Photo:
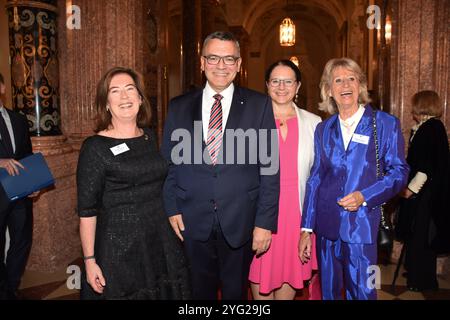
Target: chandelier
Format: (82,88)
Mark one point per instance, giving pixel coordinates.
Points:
(287,33)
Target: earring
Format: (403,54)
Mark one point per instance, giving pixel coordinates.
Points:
(107,108)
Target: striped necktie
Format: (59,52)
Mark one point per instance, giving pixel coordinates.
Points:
(215,129)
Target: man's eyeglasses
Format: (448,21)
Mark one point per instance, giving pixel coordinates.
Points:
(228,60)
(277,82)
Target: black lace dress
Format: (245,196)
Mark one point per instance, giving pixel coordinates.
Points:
(135,247)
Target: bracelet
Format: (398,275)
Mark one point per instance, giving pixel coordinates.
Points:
(88,257)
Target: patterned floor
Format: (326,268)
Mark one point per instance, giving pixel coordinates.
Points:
(62,285)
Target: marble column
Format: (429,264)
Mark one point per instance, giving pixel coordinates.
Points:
(419,60)
(421,64)
(111,33)
(35,85)
(192,44)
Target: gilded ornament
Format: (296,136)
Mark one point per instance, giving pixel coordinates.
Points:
(27,18)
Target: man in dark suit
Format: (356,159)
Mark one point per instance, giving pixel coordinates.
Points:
(15,144)
(221,196)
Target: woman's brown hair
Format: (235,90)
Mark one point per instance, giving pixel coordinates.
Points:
(427,103)
(103,116)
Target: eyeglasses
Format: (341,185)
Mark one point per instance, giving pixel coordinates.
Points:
(228,60)
(277,82)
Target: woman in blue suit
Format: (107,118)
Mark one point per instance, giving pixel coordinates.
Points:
(343,193)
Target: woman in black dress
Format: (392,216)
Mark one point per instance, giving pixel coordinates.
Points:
(423,218)
(129,250)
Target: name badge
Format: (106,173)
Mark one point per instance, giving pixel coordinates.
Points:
(121,148)
(359,138)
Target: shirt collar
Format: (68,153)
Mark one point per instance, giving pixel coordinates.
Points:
(226,94)
(422,121)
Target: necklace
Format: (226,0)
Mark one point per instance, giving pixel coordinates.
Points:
(283,117)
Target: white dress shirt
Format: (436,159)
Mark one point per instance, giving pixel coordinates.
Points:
(208,101)
(5,116)
(348,126)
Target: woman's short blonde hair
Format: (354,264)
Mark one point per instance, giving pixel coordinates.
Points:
(328,104)
(427,103)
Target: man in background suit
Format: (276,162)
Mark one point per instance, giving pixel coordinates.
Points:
(220,207)
(15,144)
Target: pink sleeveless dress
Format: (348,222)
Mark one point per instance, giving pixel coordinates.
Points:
(281,264)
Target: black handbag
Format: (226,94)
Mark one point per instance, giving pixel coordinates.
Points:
(385,230)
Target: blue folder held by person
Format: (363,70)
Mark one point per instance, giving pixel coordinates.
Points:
(34,177)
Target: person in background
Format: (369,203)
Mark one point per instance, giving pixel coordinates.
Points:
(279,273)
(423,217)
(344,192)
(130,251)
(16,216)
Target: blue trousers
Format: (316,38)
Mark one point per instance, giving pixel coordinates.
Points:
(347,267)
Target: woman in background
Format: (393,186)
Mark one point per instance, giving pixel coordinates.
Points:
(278,273)
(423,220)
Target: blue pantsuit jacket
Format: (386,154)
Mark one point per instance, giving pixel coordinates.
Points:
(337,172)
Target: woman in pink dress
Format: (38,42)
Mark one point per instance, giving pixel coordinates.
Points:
(279,273)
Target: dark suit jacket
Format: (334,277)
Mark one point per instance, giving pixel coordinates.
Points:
(243,196)
(23,146)
(337,172)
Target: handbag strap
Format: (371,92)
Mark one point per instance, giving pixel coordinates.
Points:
(375,139)
(383,221)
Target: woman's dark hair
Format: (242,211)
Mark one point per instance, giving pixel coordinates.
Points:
(287,63)
(103,117)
